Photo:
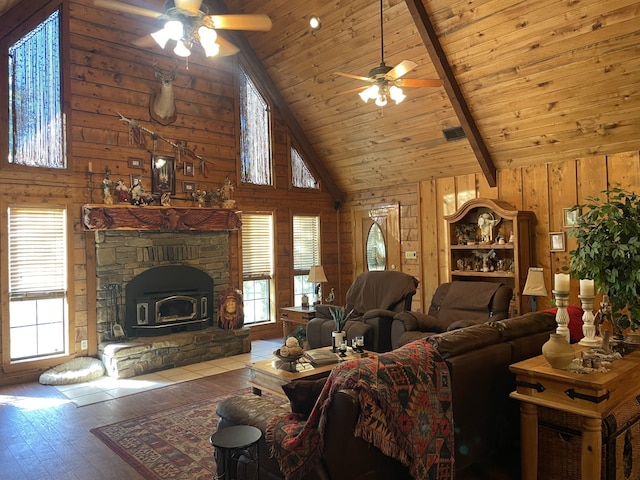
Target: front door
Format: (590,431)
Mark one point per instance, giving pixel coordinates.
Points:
(377,239)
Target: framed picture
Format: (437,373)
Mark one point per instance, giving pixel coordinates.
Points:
(135,162)
(556,242)
(188,187)
(135,178)
(163,174)
(189,170)
(570,217)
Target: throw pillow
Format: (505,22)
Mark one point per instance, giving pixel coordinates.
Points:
(575,321)
(302,394)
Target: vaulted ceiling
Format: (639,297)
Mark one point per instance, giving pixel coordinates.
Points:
(530,82)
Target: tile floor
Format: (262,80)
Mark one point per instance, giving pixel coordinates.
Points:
(107,388)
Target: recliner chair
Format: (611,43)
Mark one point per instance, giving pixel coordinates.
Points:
(454,305)
(375,298)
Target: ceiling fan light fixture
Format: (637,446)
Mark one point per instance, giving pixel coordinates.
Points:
(174,29)
(161,37)
(396,94)
(370,93)
(181,49)
(208,38)
(381,100)
(315,23)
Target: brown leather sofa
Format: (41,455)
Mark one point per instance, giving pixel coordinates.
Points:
(454,305)
(375,297)
(486,420)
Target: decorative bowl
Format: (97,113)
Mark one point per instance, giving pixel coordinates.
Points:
(287,362)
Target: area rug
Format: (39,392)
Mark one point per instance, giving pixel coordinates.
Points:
(172,444)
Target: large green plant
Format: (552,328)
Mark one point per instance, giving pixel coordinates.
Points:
(608,250)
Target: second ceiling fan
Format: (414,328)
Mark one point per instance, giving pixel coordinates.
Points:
(385,82)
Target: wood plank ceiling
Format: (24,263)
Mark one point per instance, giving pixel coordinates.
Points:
(543,81)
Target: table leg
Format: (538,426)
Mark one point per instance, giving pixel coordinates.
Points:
(591,448)
(529,440)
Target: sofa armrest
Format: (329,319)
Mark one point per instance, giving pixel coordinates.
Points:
(378,312)
(323,310)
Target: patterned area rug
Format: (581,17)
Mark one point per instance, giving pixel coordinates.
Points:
(172,444)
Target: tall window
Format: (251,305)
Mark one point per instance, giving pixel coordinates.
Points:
(38,315)
(255,137)
(36,120)
(257,266)
(306,253)
(301,177)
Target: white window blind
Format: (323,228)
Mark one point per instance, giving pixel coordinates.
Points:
(306,243)
(301,177)
(257,246)
(37,251)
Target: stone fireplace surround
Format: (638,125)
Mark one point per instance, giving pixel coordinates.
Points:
(123,254)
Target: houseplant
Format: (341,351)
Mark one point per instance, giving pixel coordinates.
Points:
(340,317)
(608,251)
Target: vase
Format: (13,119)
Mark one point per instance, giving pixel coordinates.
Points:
(557,351)
(337,338)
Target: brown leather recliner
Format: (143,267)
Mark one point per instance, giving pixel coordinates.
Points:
(375,298)
(454,305)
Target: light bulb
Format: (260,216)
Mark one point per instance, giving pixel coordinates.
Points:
(369,94)
(381,101)
(161,37)
(174,29)
(181,49)
(315,23)
(396,94)
(208,41)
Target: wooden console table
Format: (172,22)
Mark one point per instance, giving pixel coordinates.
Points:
(592,396)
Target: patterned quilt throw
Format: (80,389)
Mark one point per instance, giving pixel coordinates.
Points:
(406,412)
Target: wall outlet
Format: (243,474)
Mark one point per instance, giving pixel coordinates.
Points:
(84,345)
(410,255)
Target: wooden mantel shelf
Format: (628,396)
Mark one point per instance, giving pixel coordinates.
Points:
(127,217)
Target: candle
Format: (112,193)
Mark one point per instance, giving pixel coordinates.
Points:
(587,288)
(562,282)
(90,168)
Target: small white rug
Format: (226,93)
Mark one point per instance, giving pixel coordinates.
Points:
(77,370)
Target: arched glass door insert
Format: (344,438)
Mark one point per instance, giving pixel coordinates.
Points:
(376,249)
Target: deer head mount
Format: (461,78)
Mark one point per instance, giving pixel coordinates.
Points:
(162,106)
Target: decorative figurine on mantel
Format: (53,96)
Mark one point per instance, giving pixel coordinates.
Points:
(122,192)
(138,195)
(200,196)
(106,187)
(225,194)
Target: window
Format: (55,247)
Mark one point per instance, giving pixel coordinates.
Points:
(301,177)
(306,253)
(38,309)
(257,266)
(255,138)
(36,121)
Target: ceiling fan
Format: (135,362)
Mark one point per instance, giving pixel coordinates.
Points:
(384,81)
(188,22)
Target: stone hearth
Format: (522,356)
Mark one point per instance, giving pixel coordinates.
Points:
(145,355)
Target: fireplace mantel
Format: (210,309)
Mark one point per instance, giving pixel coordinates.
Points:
(155,218)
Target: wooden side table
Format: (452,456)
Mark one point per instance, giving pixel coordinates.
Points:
(592,396)
(295,316)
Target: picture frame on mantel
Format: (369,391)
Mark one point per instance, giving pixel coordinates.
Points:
(556,242)
(163,174)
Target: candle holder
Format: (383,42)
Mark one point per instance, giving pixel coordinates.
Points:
(90,185)
(562,315)
(590,338)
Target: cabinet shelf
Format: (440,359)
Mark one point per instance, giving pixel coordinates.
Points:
(490,222)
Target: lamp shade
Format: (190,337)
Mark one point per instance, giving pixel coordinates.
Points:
(316,274)
(534,286)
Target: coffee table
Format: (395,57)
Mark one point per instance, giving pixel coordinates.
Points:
(272,374)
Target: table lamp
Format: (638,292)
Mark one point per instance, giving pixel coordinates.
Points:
(534,286)
(317,275)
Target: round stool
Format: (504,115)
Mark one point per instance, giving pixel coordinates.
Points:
(236,444)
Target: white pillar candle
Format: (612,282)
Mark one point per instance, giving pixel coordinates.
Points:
(587,287)
(90,167)
(562,282)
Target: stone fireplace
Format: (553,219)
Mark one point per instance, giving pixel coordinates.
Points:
(161,286)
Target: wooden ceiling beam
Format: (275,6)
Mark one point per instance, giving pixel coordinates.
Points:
(441,64)
(253,64)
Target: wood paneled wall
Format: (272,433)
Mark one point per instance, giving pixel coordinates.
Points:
(544,189)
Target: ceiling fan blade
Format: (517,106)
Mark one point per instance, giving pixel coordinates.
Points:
(357,77)
(416,82)
(126,8)
(226,47)
(353,90)
(255,22)
(145,42)
(400,69)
